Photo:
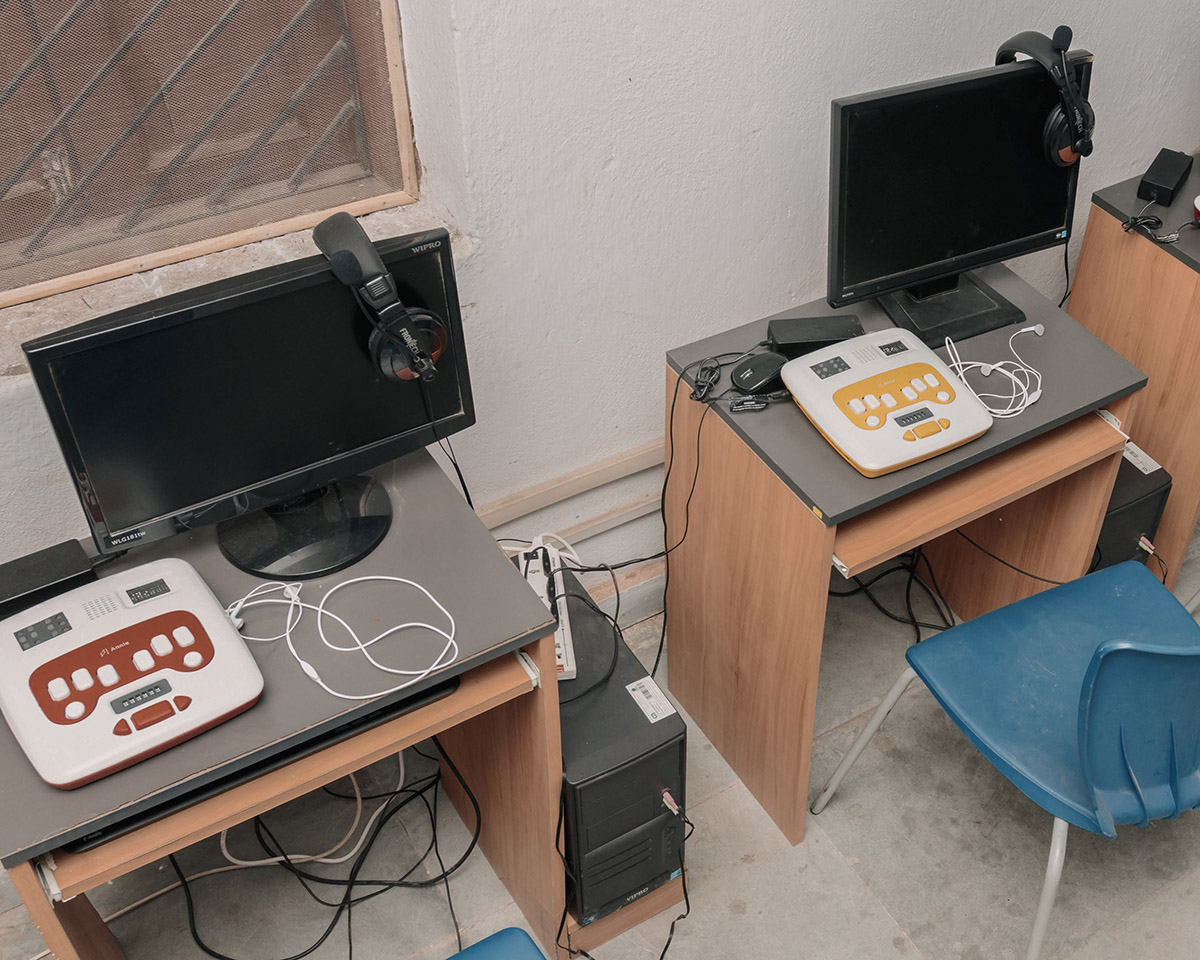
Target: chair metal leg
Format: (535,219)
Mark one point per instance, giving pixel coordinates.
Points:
(1058,851)
(864,738)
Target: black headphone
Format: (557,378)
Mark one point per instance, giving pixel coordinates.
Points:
(1067,134)
(405,342)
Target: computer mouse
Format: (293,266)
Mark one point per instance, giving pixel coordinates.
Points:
(759,373)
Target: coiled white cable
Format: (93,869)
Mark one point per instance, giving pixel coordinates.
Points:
(261,595)
(1024,379)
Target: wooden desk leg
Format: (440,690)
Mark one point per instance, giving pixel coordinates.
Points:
(72,928)
(1051,533)
(511,757)
(745,609)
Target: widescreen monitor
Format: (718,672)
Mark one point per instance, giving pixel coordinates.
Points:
(251,393)
(936,178)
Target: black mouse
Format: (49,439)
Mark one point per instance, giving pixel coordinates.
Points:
(759,373)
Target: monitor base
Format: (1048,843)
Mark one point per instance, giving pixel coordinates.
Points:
(311,536)
(958,308)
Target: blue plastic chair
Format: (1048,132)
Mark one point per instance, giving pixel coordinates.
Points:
(512,943)
(1086,697)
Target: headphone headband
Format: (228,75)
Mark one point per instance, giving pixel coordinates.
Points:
(1068,130)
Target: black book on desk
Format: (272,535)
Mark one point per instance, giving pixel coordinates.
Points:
(621,751)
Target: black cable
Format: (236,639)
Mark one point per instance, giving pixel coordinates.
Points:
(445,876)
(1162,563)
(1067,271)
(1149,225)
(687,903)
(1024,573)
(444,443)
(618,638)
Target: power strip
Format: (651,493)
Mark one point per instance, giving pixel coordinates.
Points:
(537,564)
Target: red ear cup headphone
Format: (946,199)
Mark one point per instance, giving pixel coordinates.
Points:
(405,342)
(1067,134)
(386,354)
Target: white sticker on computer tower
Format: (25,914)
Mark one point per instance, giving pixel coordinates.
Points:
(1140,458)
(650,699)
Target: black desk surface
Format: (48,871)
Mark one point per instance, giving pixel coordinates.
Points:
(1122,201)
(1080,374)
(435,539)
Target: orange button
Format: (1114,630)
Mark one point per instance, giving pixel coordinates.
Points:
(927,429)
(122,729)
(909,435)
(156,712)
(182,703)
(944,423)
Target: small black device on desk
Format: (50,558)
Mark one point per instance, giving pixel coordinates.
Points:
(39,576)
(1165,176)
(796,336)
(758,373)
(623,746)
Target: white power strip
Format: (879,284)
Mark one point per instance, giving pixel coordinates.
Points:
(539,564)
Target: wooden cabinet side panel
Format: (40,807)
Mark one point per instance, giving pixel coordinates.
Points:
(1145,304)
(746,600)
(511,757)
(72,929)
(1051,533)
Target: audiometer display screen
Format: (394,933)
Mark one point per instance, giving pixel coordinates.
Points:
(241,403)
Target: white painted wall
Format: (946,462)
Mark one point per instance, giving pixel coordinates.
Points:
(631,176)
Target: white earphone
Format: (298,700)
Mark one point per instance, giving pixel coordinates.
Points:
(295,610)
(1025,380)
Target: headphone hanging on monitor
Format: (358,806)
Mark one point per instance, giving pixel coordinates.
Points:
(1067,134)
(405,342)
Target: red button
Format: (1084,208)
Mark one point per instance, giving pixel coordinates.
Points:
(122,729)
(182,703)
(152,714)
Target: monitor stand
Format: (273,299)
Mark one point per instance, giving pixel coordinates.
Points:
(957,307)
(309,536)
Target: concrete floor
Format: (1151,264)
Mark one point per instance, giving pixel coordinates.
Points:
(926,852)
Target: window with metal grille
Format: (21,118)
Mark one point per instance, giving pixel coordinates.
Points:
(140,132)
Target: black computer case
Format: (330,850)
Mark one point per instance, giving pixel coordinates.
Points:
(619,838)
(1138,499)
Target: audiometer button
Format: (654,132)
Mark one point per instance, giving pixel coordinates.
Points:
(943,396)
(182,703)
(944,423)
(81,679)
(58,689)
(143,660)
(872,401)
(122,729)
(888,400)
(193,658)
(872,421)
(858,406)
(160,644)
(927,429)
(155,713)
(183,636)
(931,380)
(919,384)
(75,710)
(909,393)
(108,675)
(909,435)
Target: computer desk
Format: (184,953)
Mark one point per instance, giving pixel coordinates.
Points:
(500,727)
(775,507)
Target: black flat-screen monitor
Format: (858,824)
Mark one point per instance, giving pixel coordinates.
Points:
(933,179)
(255,392)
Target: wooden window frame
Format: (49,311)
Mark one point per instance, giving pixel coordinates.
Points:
(390,19)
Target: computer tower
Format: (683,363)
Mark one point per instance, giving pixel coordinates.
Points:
(1134,510)
(623,746)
